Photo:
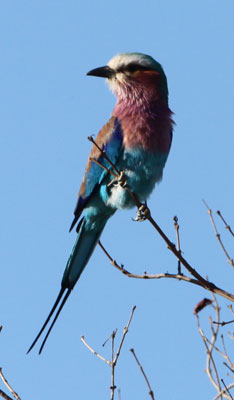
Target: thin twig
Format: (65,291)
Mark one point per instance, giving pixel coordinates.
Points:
(222,353)
(226,354)
(145,275)
(114,359)
(103,166)
(109,337)
(223,322)
(230,307)
(230,335)
(147,215)
(182,277)
(9,386)
(112,387)
(5,396)
(125,331)
(223,393)
(210,358)
(177,227)
(225,223)
(103,153)
(94,352)
(226,365)
(209,349)
(227,390)
(151,393)
(205,284)
(230,260)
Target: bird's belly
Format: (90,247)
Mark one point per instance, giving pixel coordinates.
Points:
(142,170)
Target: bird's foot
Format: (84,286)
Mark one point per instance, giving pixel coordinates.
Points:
(119,180)
(143,213)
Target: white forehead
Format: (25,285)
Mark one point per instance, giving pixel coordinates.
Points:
(126,58)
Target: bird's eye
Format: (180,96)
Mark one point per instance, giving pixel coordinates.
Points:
(133,67)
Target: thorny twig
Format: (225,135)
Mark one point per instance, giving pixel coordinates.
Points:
(114,359)
(151,393)
(230,260)
(147,215)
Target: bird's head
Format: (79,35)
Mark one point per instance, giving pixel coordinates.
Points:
(133,72)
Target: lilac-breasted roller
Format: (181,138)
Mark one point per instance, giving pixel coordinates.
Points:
(137,139)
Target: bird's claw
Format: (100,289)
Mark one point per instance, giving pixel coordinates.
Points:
(143,213)
(119,180)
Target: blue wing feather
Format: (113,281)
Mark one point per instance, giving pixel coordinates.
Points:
(110,139)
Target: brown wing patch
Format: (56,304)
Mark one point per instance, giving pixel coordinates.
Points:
(101,139)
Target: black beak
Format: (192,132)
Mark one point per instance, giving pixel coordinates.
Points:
(102,72)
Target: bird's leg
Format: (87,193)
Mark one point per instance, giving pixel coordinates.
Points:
(119,180)
(143,213)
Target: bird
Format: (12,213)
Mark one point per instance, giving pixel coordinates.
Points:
(137,140)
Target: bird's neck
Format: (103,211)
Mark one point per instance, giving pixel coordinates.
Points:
(145,118)
(144,100)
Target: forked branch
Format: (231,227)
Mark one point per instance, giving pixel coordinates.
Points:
(145,212)
(212,349)
(114,358)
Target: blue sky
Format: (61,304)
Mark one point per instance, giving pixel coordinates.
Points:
(48,108)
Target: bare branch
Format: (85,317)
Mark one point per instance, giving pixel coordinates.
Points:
(223,322)
(227,390)
(94,352)
(103,153)
(114,359)
(113,387)
(181,277)
(230,260)
(177,227)
(225,223)
(125,331)
(4,395)
(209,349)
(103,166)
(115,331)
(15,395)
(230,307)
(226,354)
(226,365)
(144,210)
(148,276)
(151,393)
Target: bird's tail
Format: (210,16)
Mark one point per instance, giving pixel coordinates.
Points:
(85,243)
